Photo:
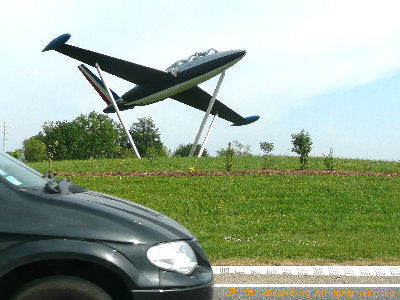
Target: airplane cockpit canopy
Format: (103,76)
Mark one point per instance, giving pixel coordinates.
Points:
(196,56)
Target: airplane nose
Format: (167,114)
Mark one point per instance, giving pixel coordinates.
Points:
(229,58)
(240,53)
(235,54)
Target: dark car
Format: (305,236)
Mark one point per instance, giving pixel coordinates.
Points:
(61,241)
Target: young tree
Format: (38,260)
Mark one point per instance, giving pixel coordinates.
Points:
(328,160)
(184,150)
(302,146)
(238,149)
(267,148)
(34,150)
(147,138)
(229,153)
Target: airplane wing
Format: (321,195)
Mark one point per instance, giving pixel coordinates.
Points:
(132,72)
(198,98)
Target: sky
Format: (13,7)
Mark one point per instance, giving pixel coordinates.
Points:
(329,67)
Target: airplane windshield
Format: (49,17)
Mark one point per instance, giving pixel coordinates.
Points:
(197,55)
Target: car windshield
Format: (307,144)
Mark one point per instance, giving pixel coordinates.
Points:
(19,174)
(191,58)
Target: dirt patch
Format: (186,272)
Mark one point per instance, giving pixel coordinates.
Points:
(225,173)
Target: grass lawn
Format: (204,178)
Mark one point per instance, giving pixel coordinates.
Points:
(211,164)
(264,219)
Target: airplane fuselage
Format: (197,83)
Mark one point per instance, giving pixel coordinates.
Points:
(188,75)
(180,81)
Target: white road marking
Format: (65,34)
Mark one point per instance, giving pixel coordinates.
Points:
(310,285)
(387,271)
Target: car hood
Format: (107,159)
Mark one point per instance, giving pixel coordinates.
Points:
(129,221)
(91,215)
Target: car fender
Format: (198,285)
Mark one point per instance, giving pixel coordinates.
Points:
(55,249)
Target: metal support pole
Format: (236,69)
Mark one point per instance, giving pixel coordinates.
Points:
(117,111)
(196,141)
(4,134)
(208,135)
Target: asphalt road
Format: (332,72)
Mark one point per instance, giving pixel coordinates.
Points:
(254,287)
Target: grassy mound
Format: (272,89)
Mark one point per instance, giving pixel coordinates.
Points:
(266,218)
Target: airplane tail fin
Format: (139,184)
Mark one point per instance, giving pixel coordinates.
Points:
(97,84)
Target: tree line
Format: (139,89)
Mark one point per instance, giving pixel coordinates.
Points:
(96,136)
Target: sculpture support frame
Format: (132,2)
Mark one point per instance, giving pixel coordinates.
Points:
(203,146)
(117,111)
(203,123)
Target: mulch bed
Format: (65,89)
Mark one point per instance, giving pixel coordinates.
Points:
(225,173)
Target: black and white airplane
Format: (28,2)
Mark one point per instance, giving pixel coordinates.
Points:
(178,82)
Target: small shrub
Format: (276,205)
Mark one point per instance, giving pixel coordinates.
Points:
(267,148)
(302,146)
(16,153)
(229,158)
(367,166)
(184,150)
(151,154)
(328,160)
(126,153)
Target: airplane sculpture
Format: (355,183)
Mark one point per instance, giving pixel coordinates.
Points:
(178,82)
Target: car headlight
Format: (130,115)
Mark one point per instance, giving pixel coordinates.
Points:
(173,256)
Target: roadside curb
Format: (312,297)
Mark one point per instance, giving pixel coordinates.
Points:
(385,271)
